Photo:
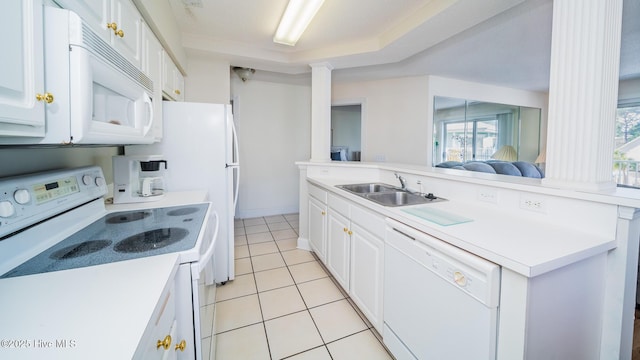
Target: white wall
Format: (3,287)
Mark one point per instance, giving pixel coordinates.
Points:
(207,81)
(394,118)
(274,125)
(17,161)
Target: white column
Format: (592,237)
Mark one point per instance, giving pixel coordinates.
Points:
(583,92)
(321,112)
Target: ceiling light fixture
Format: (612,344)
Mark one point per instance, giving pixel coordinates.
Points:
(295,20)
(243,72)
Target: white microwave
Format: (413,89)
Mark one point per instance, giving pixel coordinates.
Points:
(100,98)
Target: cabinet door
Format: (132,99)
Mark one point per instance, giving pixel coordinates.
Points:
(127,42)
(22,73)
(317,228)
(167,75)
(172,79)
(338,248)
(367,274)
(178,84)
(96,13)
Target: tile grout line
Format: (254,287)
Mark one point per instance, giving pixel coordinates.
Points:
(360,314)
(255,283)
(324,343)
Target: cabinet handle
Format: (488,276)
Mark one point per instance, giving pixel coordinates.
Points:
(177,91)
(164,343)
(345,229)
(113,26)
(119,33)
(323,213)
(350,232)
(181,346)
(48,97)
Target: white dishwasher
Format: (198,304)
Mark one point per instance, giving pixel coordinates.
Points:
(440,302)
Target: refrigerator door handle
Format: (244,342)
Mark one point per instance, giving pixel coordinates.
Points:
(236,163)
(235,157)
(236,188)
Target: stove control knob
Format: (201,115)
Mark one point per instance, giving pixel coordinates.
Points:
(6,209)
(86,179)
(22,196)
(100,182)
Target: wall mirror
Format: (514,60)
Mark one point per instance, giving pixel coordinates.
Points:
(467,130)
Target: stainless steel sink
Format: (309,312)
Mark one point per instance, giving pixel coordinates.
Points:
(388,195)
(367,188)
(397,198)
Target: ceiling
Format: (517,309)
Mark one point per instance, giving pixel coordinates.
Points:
(501,42)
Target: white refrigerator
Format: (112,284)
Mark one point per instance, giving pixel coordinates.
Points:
(200,146)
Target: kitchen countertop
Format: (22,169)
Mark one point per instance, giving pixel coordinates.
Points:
(97,312)
(169,199)
(525,246)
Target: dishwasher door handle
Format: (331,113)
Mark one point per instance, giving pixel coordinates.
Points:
(404,234)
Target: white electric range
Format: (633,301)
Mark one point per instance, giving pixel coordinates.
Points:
(55,225)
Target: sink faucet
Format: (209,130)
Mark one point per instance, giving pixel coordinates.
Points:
(403,181)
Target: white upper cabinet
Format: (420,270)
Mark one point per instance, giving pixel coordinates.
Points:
(172,79)
(127,37)
(117,22)
(23,96)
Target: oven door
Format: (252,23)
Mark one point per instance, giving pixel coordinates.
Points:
(204,295)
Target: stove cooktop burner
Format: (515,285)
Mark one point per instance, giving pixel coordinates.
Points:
(182,211)
(128,217)
(135,234)
(150,240)
(82,249)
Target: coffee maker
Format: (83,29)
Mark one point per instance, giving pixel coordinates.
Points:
(138,178)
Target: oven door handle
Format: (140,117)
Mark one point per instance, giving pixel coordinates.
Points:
(204,259)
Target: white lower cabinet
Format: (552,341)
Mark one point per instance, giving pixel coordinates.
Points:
(339,247)
(355,253)
(317,228)
(367,274)
(164,337)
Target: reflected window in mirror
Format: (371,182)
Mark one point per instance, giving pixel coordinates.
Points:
(475,131)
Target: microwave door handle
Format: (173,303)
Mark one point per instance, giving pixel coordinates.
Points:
(204,259)
(149,104)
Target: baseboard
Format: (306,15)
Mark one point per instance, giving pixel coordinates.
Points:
(253,213)
(303,244)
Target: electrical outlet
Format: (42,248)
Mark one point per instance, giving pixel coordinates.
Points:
(488,195)
(532,203)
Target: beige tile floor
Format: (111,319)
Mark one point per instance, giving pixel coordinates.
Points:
(284,305)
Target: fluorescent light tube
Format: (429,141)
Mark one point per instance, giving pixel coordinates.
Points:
(295,20)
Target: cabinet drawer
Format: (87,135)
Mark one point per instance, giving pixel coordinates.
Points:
(160,325)
(368,220)
(318,193)
(339,204)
